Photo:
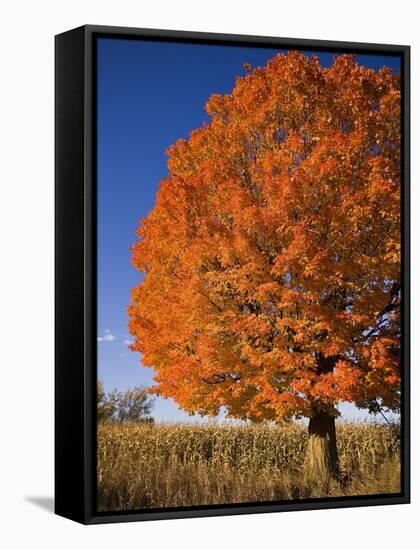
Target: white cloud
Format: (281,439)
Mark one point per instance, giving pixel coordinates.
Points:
(107,337)
(128,342)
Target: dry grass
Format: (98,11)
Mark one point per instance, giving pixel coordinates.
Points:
(146,466)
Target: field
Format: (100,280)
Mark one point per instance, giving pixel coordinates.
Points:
(166,465)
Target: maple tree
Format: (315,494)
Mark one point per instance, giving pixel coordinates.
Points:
(272,256)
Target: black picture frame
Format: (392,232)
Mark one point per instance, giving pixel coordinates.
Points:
(75,274)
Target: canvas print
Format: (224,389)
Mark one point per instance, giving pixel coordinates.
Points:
(249,274)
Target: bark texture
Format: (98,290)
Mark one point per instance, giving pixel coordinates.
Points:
(322,463)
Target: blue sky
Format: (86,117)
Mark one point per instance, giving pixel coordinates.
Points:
(149,95)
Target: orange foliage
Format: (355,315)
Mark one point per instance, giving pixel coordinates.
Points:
(272,256)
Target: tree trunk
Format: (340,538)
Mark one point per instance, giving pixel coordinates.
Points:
(321,464)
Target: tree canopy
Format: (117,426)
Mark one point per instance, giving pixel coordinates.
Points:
(272,255)
(131,405)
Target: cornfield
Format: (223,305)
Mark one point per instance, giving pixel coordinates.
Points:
(167,465)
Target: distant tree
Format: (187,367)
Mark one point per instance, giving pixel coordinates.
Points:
(131,405)
(271,260)
(105,408)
